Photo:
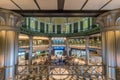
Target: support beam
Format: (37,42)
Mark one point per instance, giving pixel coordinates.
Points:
(84,4)
(61,4)
(16,4)
(105,4)
(37,4)
(60,13)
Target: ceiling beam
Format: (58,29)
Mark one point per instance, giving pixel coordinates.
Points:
(84,4)
(37,4)
(57,13)
(16,4)
(60,4)
(105,4)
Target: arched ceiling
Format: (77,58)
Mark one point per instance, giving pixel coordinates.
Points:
(60,7)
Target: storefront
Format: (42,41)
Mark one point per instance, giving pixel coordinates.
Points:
(58,50)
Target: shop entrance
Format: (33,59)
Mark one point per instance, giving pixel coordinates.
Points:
(58,51)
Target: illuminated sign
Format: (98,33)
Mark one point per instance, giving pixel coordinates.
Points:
(58,47)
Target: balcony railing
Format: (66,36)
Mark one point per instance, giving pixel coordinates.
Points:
(83,47)
(96,29)
(45,72)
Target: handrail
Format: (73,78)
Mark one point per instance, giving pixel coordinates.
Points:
(38,71)
(81,33)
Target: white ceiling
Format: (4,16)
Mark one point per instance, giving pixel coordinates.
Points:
(73,4)
(52,4)
(48,4)
(7,4)
(26,4)
(115,4)
(97,4)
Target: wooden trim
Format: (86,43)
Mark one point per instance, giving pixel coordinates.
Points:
(60,4)
(16,4)
(37,4)
(60,13)
(84,4)
(105,4)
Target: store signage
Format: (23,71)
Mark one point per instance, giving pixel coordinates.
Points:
(58,47)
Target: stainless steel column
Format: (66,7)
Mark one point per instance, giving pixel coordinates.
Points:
(31,49)
(79,26)
(67,46)
(110,27)
(50,47)
(87,49)
(9,41)
(10,54)
(108,53)
(2,47)
(117,33)
(72,28)
(55,28)
(45,27)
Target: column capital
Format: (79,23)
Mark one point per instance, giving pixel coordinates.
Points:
(10,20)
(109,20)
